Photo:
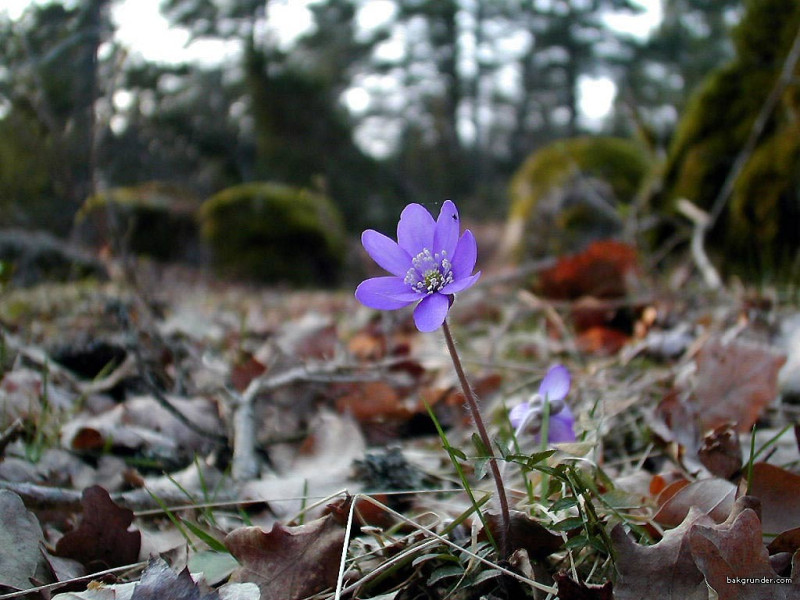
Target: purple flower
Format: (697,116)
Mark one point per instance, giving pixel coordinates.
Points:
(528,415)
(429,263)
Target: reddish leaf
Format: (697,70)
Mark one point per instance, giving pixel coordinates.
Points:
(102,540)
(365,512)
(735,381)
(601,340)
(779,493)
(660,482)
(720,452)
(288,563)
(373,401)
(159,582)
(245,371)
(713,497)
(734,549)
(665,570)
(603,270)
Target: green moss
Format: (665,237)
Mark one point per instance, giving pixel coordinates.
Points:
(274,233)
(619,162)
(613,167)
(155,219)
(761,216)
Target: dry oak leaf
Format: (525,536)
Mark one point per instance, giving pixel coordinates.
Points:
(102,540)
(288,563)
(714,497)
(20,538)
(720,451)
(665,570)
(779,493)
(734,382)
(159,582)
(734,550)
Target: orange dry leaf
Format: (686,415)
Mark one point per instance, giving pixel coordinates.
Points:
(602,340)
(735,381)
(373,401)
(602,270)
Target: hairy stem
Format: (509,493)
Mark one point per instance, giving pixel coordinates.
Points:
(472,402)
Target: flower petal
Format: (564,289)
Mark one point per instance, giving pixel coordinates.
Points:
(555,384)
(431,312)
(415,229)
(386,252)
(465,255)
(561,427)
(460,285)
(385,293)
(517,414)
(445,235)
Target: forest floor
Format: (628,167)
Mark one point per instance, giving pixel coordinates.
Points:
(191,438)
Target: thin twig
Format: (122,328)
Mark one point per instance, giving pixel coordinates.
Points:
(487,442)
(58,584)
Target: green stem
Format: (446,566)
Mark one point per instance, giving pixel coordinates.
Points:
(472,403)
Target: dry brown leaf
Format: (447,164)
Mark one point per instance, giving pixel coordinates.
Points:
(733,550)
(288,563)
(20,537)
(734,382)
(713,497)
(779,492)
(527,534)
(665,570)
(720,452)
(788,541)
(159,582)
(571,590)
(102,540)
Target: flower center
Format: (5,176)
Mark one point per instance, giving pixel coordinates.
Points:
(429,272)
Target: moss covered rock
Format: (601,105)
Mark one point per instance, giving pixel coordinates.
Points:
(571,191)
(154,219)
(758,231)
(275,233)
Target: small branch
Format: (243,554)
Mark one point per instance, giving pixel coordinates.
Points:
(43,497)
(701,221)
(487,442)
(164,401)
(10,434)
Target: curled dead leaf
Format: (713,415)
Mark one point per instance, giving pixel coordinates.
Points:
(288,563)
(713,497)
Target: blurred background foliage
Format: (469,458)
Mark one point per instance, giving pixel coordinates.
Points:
(439,99)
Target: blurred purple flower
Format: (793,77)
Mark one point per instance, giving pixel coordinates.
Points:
(429,263)
(554,389)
